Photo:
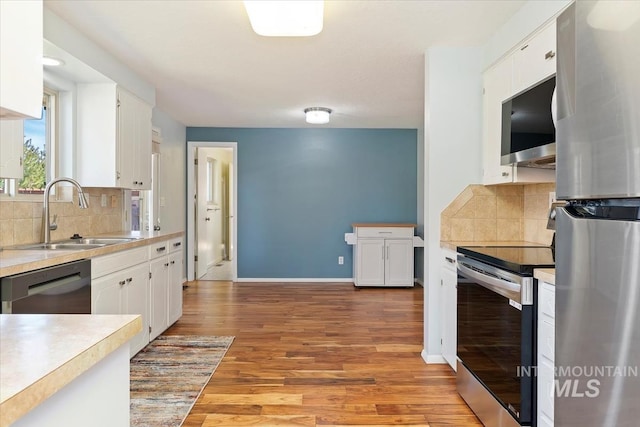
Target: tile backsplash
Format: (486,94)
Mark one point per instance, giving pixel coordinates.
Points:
(498,213)
(21,221)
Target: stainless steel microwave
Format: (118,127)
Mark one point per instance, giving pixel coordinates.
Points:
(528,130)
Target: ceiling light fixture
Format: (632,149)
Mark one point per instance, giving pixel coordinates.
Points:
(287,18)
(317,115)
(51,61)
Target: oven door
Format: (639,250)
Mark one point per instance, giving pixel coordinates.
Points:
(496,335)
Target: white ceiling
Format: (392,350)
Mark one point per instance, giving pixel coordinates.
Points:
(210,69)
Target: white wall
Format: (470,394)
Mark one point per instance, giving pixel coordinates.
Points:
(419,252)
(173,184)
(453,150)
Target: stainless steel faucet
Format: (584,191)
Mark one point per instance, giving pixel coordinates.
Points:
(82,202)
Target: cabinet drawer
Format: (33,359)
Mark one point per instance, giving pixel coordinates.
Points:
(449,260)
(103,265)
(175,244)
(547,298)
(384,232)
(158,249)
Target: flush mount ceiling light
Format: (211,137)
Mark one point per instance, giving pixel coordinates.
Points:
(317,115)
(51,61)
(289,18)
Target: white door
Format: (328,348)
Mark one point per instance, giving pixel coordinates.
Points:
(204,217)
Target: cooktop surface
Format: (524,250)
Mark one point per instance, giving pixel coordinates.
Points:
(517,259)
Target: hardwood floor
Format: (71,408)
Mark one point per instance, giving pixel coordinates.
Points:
(318,355)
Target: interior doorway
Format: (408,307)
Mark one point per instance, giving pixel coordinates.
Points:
(211,211)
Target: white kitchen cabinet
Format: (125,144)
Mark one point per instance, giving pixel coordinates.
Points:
(114,138)
(11,148)
(383,256)
(535,59)
(21,50)
(174,295)
(449,301)
(546,353)
(520,70)
(119,285)
(158,288)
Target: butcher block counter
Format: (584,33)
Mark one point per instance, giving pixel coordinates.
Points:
(54,366)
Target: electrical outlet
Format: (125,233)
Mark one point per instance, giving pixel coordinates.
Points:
(340,260)
(552,197)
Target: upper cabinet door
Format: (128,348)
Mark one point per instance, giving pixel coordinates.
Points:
(535,60)
(11,148)
(20,59)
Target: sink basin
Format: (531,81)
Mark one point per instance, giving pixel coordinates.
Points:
(99,240)
(79,244)
(62,246)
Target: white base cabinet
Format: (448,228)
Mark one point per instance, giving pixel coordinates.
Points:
(546,353)
(383,256)
(120,285)
(448,306)
(146,281)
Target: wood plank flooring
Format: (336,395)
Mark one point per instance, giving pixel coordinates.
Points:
(318,355)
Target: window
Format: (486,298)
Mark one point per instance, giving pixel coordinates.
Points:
(39,152)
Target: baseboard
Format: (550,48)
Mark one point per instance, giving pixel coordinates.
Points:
(296,280)
(435,359)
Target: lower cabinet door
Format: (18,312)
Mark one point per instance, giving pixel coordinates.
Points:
(135,299)
(398,270)
(175,286)
(370,262)
(159,269)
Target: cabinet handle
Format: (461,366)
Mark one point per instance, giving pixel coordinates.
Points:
(135,182)
(450,260)
(175,245)
(161,249)
(505,173)
(121,283)
(385,232)
(166,264)
(524,47)
(140,182)
(130,279)
(173,262)
(386,249)
(549,54)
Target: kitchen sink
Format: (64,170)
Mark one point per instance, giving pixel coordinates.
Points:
(99,240)
(78,244)
(62,246)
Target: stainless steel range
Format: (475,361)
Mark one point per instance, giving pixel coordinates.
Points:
(496,331)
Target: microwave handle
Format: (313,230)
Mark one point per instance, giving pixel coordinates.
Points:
(502,287)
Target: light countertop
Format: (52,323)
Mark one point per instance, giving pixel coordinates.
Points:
(41,353)
(14,261)
(545,274)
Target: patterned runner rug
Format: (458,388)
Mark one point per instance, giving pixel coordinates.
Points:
(169,374)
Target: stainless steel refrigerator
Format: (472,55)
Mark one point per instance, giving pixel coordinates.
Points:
(598,234)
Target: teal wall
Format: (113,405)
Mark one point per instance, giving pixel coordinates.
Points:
(299,191)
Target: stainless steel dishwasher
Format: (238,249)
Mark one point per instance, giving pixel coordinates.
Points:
(60,289)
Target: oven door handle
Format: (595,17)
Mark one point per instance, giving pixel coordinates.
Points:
(502,287)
